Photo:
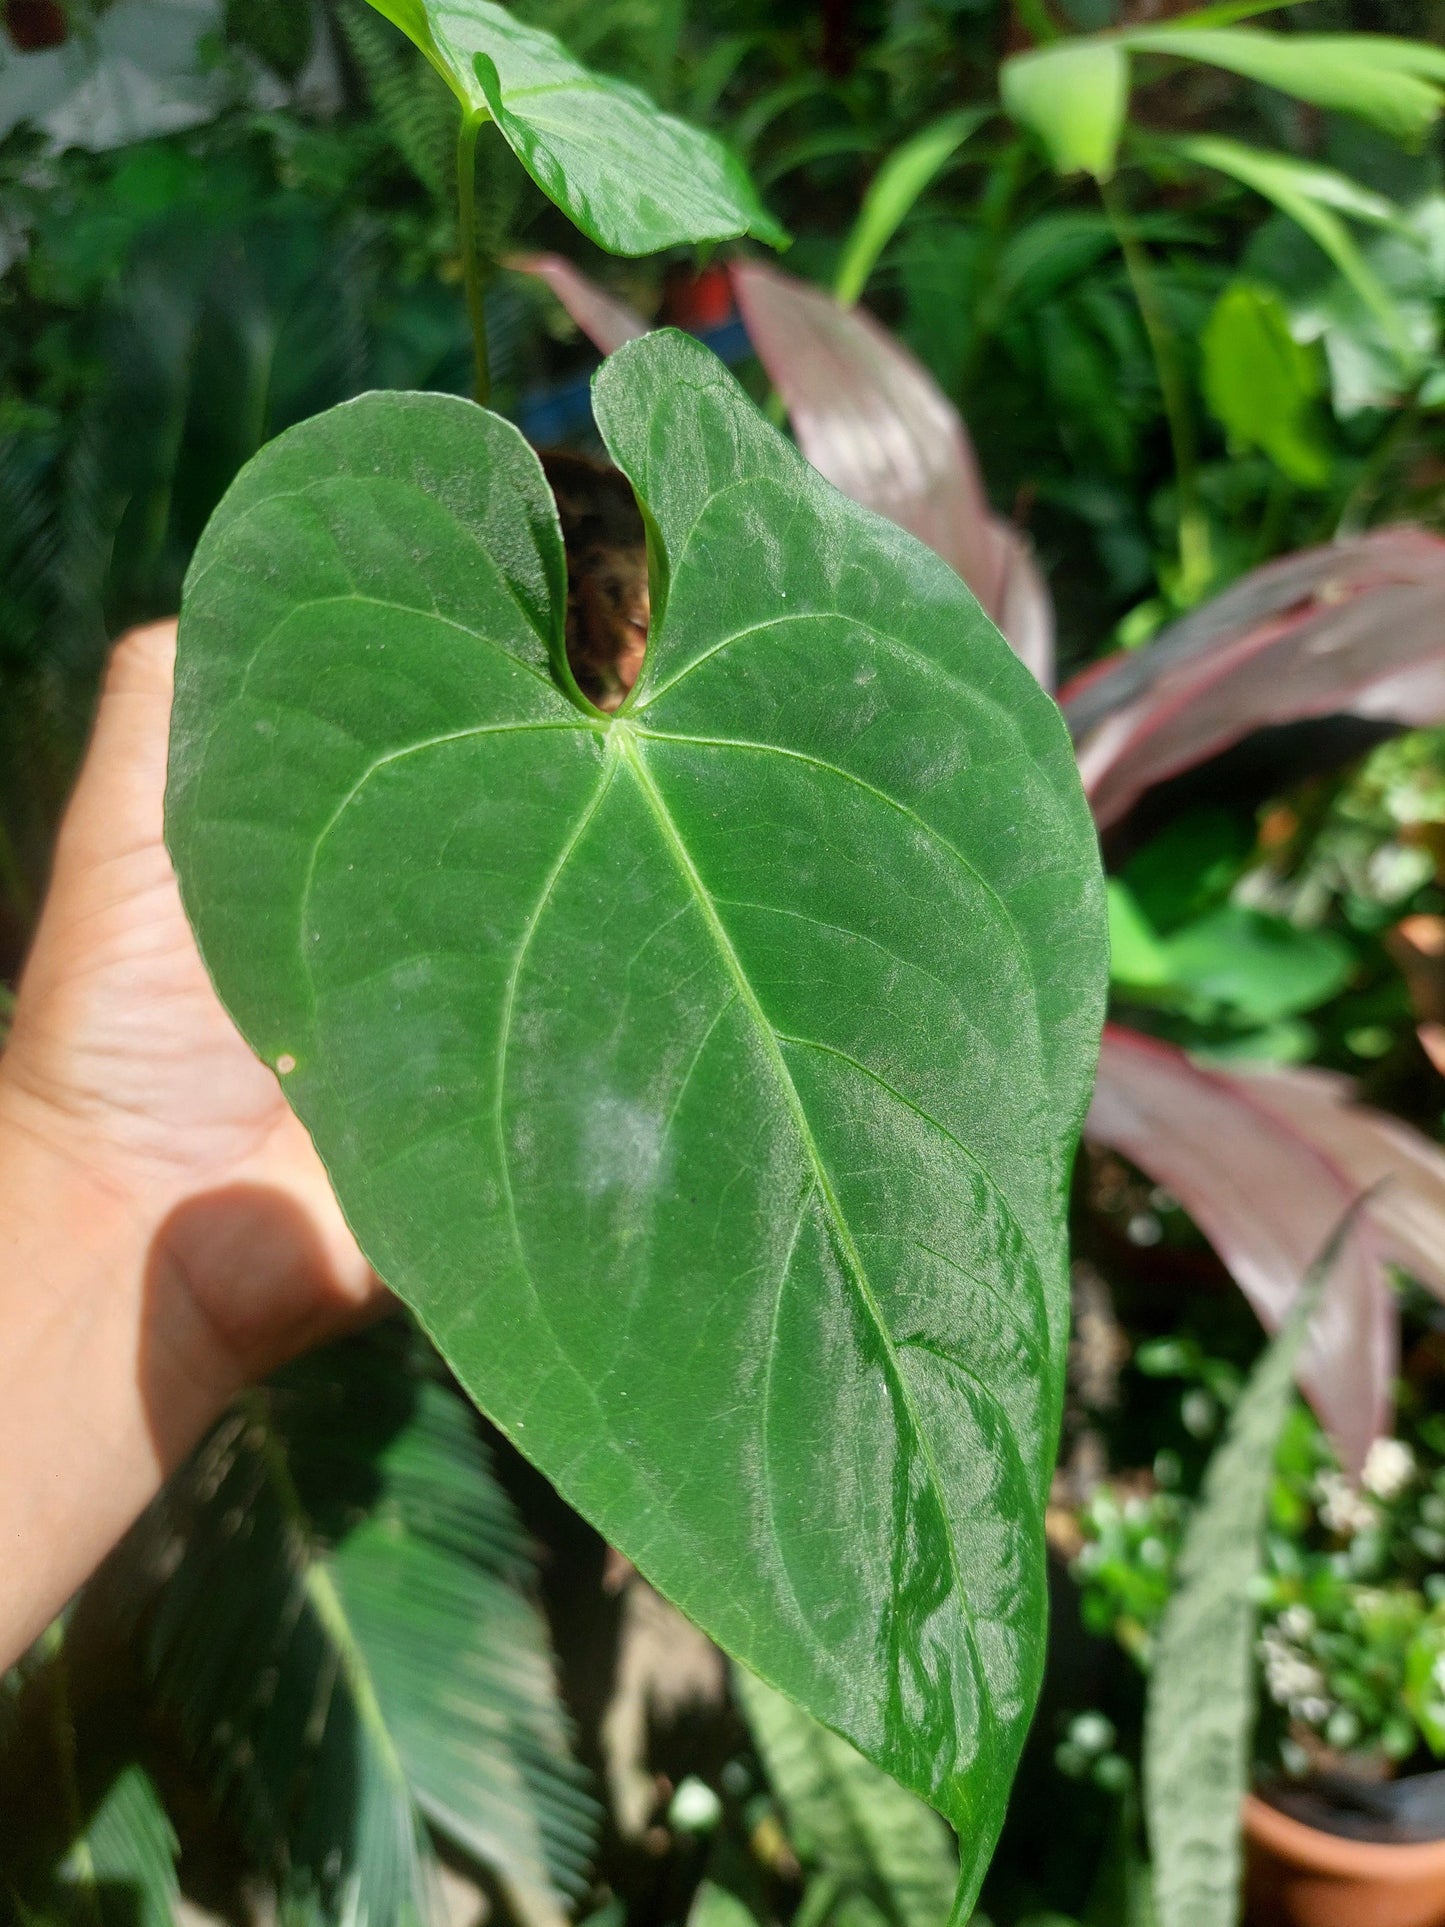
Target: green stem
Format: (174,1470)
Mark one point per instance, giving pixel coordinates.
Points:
(1376,467)
(1271,523)
(1195,566)
(472,268)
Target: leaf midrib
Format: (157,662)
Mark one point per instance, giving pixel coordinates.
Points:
(853,1262)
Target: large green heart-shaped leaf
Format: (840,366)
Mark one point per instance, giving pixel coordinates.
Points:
(635,180)
(706,1077)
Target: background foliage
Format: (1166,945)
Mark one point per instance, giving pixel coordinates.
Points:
(1168,384)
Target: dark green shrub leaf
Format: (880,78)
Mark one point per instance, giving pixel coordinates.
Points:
(634,179)
(707,1077)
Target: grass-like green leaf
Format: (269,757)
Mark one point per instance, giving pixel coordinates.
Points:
(873,1841)
(1314,198)
(1393,84)
(635,180)
(1200,1712)
(347,1643)
(707,1076)
(892,193)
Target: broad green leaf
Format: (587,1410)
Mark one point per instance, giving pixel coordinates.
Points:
(892,193)
(125,1861)
(874,1841)
(707,1077)
(1200,1710)
(1394,84)
(1262,385)
(1314,198)
(1073,96)
(635,180)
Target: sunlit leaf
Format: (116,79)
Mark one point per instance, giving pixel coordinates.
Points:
(705,1076)
(1200,1710)
(1072,96)
(1261,383)
(635,180)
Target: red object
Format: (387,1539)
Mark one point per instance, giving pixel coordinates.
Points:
(698,302)
(34,25)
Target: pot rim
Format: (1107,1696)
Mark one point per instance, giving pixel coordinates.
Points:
(1333,1853)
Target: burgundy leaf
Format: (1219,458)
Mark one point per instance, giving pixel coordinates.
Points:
(873,420)
(605,321)
(1356,628)
(1268,1198)
(1407,1208)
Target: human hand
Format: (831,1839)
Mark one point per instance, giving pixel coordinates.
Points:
(163,1214)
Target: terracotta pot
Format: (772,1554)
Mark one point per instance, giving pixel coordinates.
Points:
(1301,1877)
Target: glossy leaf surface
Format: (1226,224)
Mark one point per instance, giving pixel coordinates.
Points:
(707,1077)
(635,180)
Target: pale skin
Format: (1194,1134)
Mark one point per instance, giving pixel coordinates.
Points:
(167,1232)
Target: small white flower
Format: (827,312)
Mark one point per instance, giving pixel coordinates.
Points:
(1343,1510)
(1437,1673)
(1297,1623)
(1389,1468)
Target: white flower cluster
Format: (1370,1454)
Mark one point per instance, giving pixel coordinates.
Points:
(1293,1681)
(1342,1509)
(1389,1468)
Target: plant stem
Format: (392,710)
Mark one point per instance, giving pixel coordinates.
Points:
(1381,458)
(1195,566)
(472,270)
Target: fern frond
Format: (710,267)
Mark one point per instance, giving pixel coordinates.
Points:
(412,101)
(888,1860)
(348,1645)
(125,1861)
